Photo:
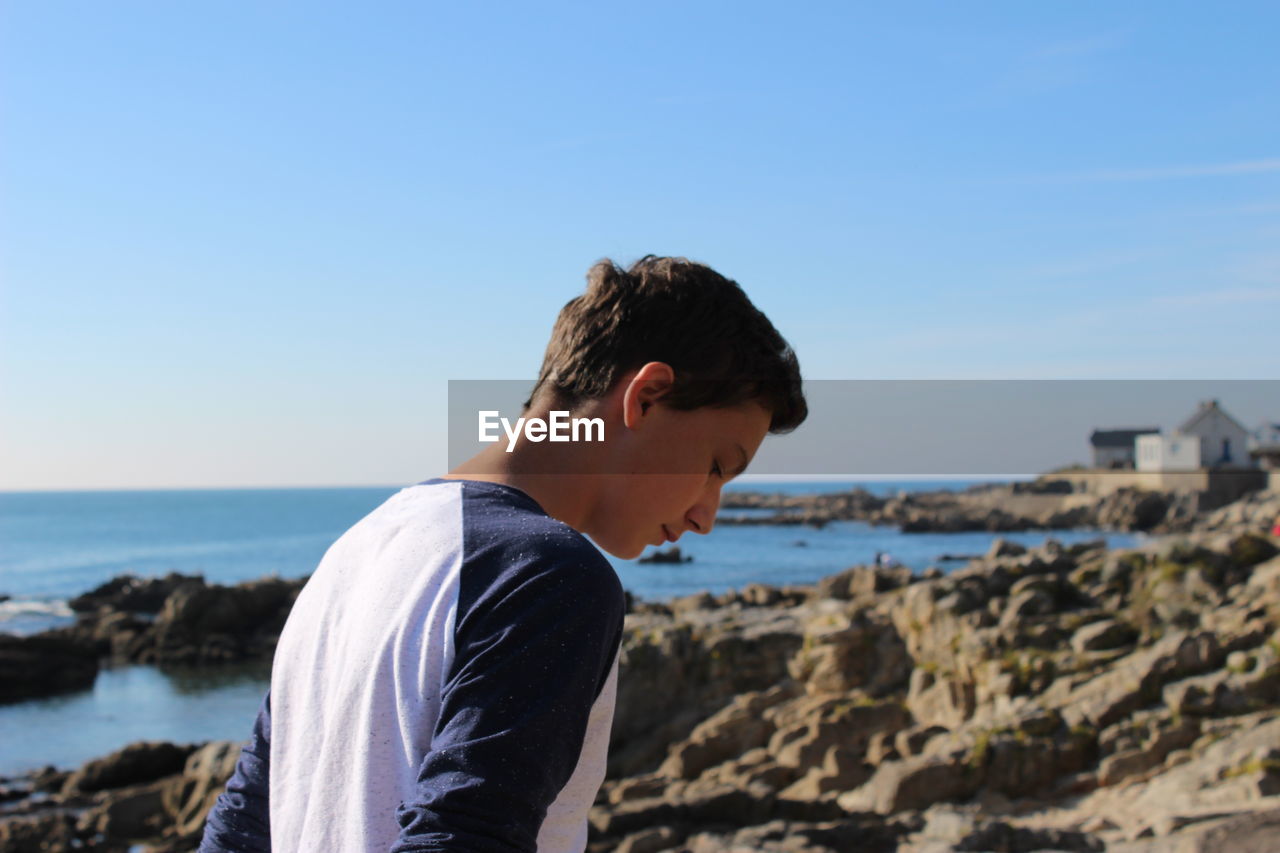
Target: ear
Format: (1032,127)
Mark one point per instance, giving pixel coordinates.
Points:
(643,390)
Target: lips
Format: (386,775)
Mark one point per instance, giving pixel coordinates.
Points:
(667,534)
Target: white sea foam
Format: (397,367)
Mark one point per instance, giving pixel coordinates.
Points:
(24,616)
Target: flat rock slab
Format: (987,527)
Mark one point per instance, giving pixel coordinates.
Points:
(1251,833)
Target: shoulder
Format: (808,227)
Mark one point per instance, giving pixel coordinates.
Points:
(510,546)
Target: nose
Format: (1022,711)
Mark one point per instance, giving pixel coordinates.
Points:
(702,515)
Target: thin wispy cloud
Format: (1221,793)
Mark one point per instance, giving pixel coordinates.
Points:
(1089,45)
(1039,70)
(1259,269)
(1206,170)
(1255,209)
(1088,265)
(1230,296)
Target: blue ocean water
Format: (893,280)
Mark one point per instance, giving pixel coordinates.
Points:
(57,545)
(54,545)
(129,704)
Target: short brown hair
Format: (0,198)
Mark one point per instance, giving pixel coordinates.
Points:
(723,350)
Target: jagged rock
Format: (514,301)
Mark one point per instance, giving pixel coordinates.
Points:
(633,816)
(1008,761)
(669,555)
(187,799)
(726,734)
(1128,509)
(1143,744)
(940,701)
(841,770)
(137,763)
(1221,773)
(133,812)
(997,835)
(1123,765)
(218,623)
(695,668)
(912,741)
(1050,585)
(862,581)
(953,828)
(863,653)
(49,779)
(1004,548)
(1102,635)
(133,594)
(846,725)
(1136,679)
(44,665)
(1202,695)
(718,805)
(760,595)
(881,748)
(945,645)
(1032,602)
(862,833)
(1264,582)
(650,840)
(1249,549)
(755,769)
(38,833)
(910,784)
(1254,681)
(1249,833)
(635,788)
(196,623)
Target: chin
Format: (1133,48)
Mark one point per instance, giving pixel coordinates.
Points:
(623,550)
(629,553)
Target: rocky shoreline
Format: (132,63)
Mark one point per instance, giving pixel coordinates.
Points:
(176,619)
(1044,504)
(1051,698)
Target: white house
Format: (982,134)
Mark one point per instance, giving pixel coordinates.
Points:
(1210,438)
(1114,448)
(1169,452)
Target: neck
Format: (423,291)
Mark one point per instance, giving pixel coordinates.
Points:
(552,474)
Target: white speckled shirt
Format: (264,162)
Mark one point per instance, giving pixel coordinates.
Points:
(445,681)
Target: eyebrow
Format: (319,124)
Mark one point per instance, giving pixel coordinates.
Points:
(743,466)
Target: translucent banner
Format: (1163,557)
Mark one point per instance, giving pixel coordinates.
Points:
(928,428)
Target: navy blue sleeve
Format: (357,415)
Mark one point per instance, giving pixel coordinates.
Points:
(240,821)
(534,645)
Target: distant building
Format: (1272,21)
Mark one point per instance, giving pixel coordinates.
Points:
(1115,448)
(1210,438)
(1265,446)
(1266,435)
(1209,454)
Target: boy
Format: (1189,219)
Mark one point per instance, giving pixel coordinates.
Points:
(446,678)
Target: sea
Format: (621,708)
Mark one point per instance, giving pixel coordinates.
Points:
(56,545)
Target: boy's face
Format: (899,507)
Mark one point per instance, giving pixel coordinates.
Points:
(673,465)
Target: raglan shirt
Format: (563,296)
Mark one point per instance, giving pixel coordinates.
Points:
(445,681)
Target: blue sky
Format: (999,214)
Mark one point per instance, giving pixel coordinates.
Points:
(248,244)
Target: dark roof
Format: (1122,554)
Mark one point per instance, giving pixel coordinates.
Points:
(1205,409)
(1118,437)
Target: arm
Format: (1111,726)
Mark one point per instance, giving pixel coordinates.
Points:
(533,650)
(240,821)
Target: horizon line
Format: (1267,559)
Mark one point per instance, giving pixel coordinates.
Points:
(746,479)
